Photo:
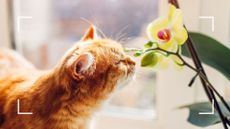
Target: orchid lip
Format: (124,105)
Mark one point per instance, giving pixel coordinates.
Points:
(164,34)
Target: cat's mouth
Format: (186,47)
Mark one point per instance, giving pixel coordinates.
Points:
(131,68)
(131,73)
(128,76)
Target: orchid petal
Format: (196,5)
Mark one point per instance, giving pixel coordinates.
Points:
(154,27)
(180,35)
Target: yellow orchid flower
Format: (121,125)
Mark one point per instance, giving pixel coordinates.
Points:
(169,31)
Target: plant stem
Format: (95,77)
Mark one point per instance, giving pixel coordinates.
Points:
(202,76)
(208,87)
(209,84)
(198,65)
(207,81)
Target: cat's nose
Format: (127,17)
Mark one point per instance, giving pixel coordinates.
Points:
(130,60)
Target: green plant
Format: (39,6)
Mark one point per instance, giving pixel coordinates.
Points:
(167,36)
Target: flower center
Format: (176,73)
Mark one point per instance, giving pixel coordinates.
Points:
(164,34)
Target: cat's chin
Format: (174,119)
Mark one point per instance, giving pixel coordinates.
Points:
(125,80)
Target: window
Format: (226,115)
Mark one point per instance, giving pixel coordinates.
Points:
(48,28)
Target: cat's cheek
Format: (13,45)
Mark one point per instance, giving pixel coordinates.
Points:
(117,73)
(84,90)
(123,70)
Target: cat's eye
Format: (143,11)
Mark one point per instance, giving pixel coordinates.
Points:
(119,61)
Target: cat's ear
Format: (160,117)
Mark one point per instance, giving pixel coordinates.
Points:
(91,33)
(82,66)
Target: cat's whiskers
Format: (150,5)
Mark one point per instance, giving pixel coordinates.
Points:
(121,36)
(97,24)
(119,33)
(124,40)
(98,29)
(102,33)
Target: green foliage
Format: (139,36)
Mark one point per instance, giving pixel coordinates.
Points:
(211,52)
(177,60)
(149,59)
(204,120)
(151,44)
(138,53)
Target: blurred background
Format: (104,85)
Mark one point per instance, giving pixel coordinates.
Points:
(43,30)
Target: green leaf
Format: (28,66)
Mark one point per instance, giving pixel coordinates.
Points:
(211,52)
(150,44)
(149,59)
(204,120)
(138,53)
(176,60)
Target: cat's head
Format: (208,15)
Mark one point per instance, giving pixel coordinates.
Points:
(96,65)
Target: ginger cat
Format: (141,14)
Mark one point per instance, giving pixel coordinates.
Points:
(66,96)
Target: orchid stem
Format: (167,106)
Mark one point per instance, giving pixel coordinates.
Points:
(195,70)
(209,91)
(208,87)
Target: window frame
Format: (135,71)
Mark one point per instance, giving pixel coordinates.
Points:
(5,39)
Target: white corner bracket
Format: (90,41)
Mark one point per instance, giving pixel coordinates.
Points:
(22,113)
(209,113)
(19,19)
(212,18)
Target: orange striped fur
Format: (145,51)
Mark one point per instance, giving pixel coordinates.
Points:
(66,96)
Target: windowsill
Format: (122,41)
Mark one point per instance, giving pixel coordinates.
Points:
(124,118)
(129,113)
